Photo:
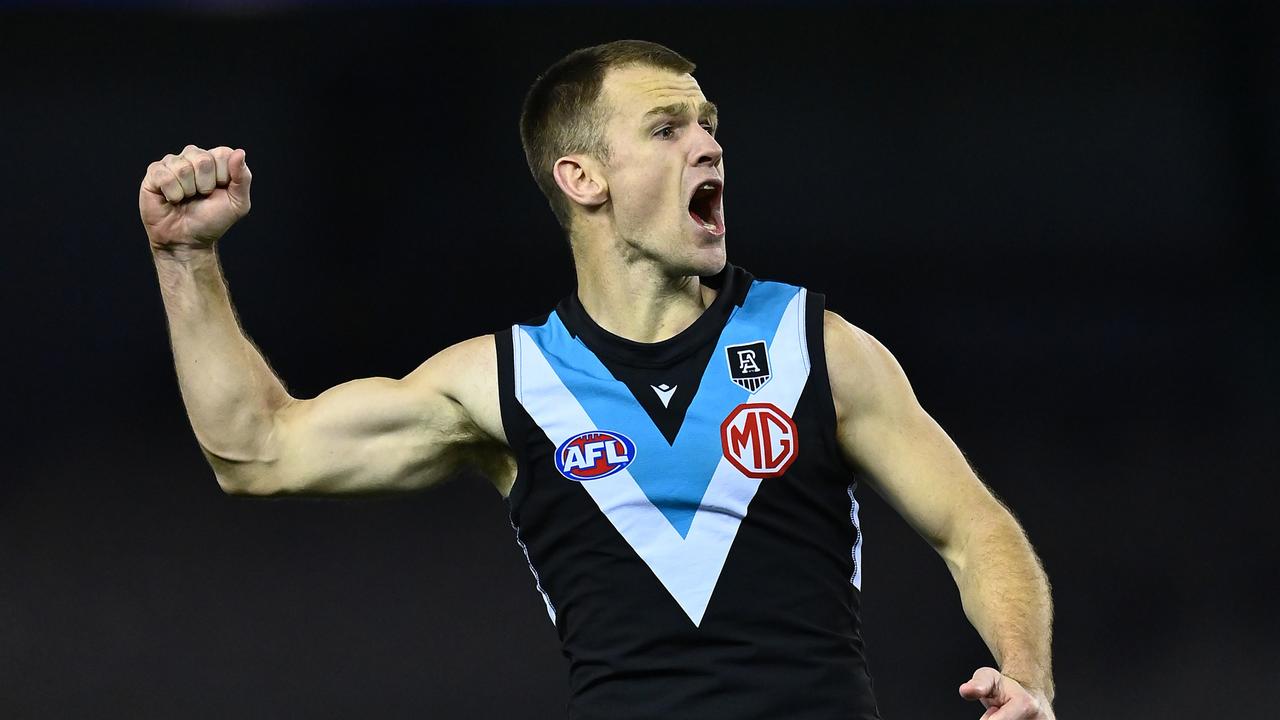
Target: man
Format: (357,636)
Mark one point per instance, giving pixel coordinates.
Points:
(675,442)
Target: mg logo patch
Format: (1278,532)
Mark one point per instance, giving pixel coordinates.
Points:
(759,439)
(748,364)
(594,454)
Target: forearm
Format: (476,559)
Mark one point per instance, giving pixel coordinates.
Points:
(230,392)
(1005,594)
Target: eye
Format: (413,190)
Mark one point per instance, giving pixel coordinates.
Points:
(711,129)
(665,132)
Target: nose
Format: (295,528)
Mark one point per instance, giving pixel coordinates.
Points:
(705,151)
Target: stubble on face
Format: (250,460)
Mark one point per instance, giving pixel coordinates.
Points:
(649,175)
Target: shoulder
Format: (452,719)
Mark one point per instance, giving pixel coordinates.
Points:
(864,375)
(852,349)
(465,375)
(458,366)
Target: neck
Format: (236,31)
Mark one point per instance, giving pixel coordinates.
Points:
(636,299)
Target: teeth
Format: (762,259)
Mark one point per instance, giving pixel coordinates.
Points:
(707,186)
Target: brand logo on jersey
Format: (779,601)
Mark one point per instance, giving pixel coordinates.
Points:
(665,392)
(595,454)
(759,439)
(748,365)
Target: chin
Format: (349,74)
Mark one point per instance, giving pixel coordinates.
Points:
(707,261)
(715,263)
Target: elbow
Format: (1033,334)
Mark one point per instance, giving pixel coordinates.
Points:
(246,468)
(972,537)
(236,484)
(247,479)
(255,487)
(232,485)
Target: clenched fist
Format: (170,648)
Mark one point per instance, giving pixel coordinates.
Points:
(190,200)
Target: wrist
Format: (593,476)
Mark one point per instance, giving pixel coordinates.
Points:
(1033,683)
(183,254)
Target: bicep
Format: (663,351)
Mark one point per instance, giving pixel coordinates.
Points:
(377,434)
(907,456)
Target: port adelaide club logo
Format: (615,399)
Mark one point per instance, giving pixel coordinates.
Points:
(748,365)
(757,437)
(594,454)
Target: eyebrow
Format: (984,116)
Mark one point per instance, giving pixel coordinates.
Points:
(707,109)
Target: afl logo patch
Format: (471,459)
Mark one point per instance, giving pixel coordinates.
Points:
(748,365)
(594,454)
(759,439)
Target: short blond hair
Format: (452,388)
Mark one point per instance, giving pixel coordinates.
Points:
(561,113)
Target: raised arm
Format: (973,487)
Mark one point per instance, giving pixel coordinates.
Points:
(918,470)
(368,435)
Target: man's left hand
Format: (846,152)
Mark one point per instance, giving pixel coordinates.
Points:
(1005,698)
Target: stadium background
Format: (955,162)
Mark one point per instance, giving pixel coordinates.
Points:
(1057,215)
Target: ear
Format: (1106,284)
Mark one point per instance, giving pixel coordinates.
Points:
(581,178)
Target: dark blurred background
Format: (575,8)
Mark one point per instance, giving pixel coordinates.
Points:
(1057,215)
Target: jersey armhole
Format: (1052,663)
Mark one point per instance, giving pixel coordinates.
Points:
(511,413)
(825,404)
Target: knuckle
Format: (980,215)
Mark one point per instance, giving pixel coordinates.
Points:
(205,163)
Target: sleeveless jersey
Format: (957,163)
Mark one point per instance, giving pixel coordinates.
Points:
(685,510)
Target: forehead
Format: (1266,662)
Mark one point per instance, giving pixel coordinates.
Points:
(632,91)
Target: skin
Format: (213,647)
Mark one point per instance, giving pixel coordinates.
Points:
(638,253)
(638,257)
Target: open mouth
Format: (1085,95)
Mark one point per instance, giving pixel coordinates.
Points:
(706,207)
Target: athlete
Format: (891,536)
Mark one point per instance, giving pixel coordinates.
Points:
(676,441)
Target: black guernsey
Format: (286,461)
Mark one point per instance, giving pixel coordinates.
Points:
(687,514)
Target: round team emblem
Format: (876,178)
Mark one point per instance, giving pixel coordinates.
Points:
(759,439)
(594,454)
